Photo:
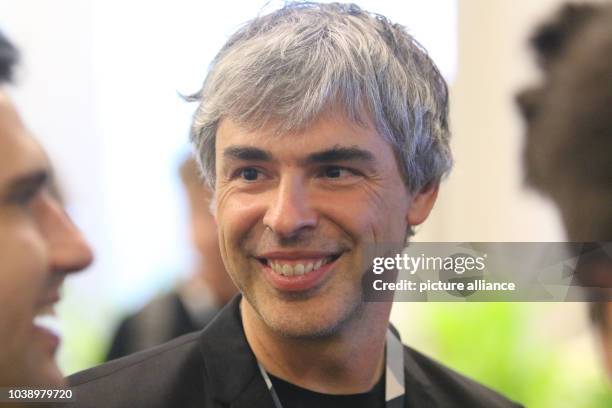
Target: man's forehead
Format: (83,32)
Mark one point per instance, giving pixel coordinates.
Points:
(326,133)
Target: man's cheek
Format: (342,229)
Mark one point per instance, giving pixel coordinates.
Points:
(223,248)
(229,246)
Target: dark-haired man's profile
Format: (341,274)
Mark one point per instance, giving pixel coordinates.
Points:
(39,246)
(323,131)
(568,149)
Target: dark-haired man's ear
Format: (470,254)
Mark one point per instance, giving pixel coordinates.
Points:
(422,203)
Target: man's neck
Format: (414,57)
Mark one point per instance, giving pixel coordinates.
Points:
(349,362)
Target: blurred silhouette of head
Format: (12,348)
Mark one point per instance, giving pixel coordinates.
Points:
(204,233)
(568,149)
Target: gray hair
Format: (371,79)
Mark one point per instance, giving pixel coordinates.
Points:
(286,68)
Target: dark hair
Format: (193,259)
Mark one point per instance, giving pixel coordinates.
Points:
(568,149)
(8,59)
(550,39)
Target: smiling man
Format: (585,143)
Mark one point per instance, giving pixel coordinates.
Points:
(323,132)
(39,246)
(297,214)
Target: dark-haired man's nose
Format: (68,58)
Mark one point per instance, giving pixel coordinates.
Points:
(68,250)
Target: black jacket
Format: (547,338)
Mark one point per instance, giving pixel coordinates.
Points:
(162,319)
(216,368)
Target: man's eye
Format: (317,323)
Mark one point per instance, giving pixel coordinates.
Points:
(249,174)
(336,172)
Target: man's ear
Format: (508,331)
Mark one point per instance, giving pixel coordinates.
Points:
(422,203)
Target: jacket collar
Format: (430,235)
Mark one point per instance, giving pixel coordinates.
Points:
(232,375)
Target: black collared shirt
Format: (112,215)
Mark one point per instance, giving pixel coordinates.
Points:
(216,368)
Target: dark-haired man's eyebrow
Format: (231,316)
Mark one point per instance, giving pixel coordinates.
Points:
(27,183)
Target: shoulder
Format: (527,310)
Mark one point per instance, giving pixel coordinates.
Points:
(168,375)
(163,304)
(447,387)
(152,325)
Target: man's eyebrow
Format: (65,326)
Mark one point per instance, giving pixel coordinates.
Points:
(335,154)
(246,153)
(339,153)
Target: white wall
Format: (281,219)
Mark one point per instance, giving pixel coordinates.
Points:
(484,198)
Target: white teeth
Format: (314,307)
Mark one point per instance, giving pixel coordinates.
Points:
(297,269)
(287,270)
(48,322)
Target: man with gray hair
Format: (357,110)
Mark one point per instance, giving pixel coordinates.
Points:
(323,132)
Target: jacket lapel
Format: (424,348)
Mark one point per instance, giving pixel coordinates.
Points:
(256,394)
(232,376)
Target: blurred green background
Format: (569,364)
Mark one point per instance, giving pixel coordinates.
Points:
(539,354)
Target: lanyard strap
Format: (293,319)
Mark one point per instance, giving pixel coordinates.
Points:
(394,375)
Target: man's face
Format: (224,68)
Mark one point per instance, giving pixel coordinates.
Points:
(301,216)
(38,247)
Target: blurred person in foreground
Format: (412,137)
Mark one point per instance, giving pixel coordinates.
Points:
(39,246)
(568,149)
(194,303)
(323,130)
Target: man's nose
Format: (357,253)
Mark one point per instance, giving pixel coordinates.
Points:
(290,211)
(68,250)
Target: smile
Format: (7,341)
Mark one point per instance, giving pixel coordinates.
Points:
(45,325)
(297,267)
(297,272)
